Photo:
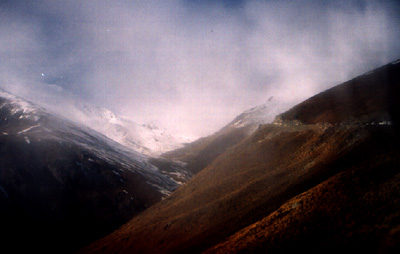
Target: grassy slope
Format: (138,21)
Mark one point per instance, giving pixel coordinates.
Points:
(357,210)
(202,152)
(239,188)
(377,92)
(254,179)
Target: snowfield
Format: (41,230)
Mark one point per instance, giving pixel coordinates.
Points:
(116,140)
(148,139)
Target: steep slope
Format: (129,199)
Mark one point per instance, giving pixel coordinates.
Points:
(200,153)
(64,185)
(355,211)
(281,163)
(371,97)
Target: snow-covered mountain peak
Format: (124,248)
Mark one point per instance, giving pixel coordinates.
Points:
(151,126)
(100,113)
(261,114)
(19,105)
(148,139)
(113,139)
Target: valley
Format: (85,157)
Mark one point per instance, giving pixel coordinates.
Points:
(199,127)
(322,176)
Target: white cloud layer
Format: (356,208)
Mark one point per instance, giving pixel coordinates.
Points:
(190,66)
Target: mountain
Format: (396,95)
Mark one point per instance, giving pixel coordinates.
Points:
(261,114)
(63,185)
(148,139)
(370,98)
(200,153)
(320,179)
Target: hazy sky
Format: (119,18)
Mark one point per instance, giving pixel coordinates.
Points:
(190,65)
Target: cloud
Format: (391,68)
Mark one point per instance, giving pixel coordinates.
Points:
(192,65)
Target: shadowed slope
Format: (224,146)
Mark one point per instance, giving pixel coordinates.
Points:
(63,185)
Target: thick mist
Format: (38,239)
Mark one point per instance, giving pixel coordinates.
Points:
(191,66)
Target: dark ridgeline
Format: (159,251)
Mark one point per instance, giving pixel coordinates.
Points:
(63,186)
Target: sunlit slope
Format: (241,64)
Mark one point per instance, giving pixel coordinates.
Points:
(372,97)
(200,153)
(356,211)
(299,154)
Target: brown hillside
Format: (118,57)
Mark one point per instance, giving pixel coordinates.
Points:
(200,153)
(376,92)
(203,151)
(242,187)
(261,174)
(356,211)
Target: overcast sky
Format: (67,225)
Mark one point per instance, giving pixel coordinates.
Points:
(190,65)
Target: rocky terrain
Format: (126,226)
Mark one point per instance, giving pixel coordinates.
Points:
(63,185)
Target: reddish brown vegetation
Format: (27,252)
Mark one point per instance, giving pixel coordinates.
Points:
(373,97)
(244,185)
(307,187)
(358,210)
(202,152)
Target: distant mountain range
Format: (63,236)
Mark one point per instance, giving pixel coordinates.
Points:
(323,177)
(148,139)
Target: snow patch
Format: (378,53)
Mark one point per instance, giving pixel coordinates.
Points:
(27,140)
(262,114)
(116,173)
(28,129)
(21,104)
(396,62)
(385,123)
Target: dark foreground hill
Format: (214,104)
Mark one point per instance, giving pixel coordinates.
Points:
(63,185)
(307,182)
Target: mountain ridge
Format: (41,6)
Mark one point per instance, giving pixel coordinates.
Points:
(148,139)
(267,172)
(200,153)
(67,183)
(331,106)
